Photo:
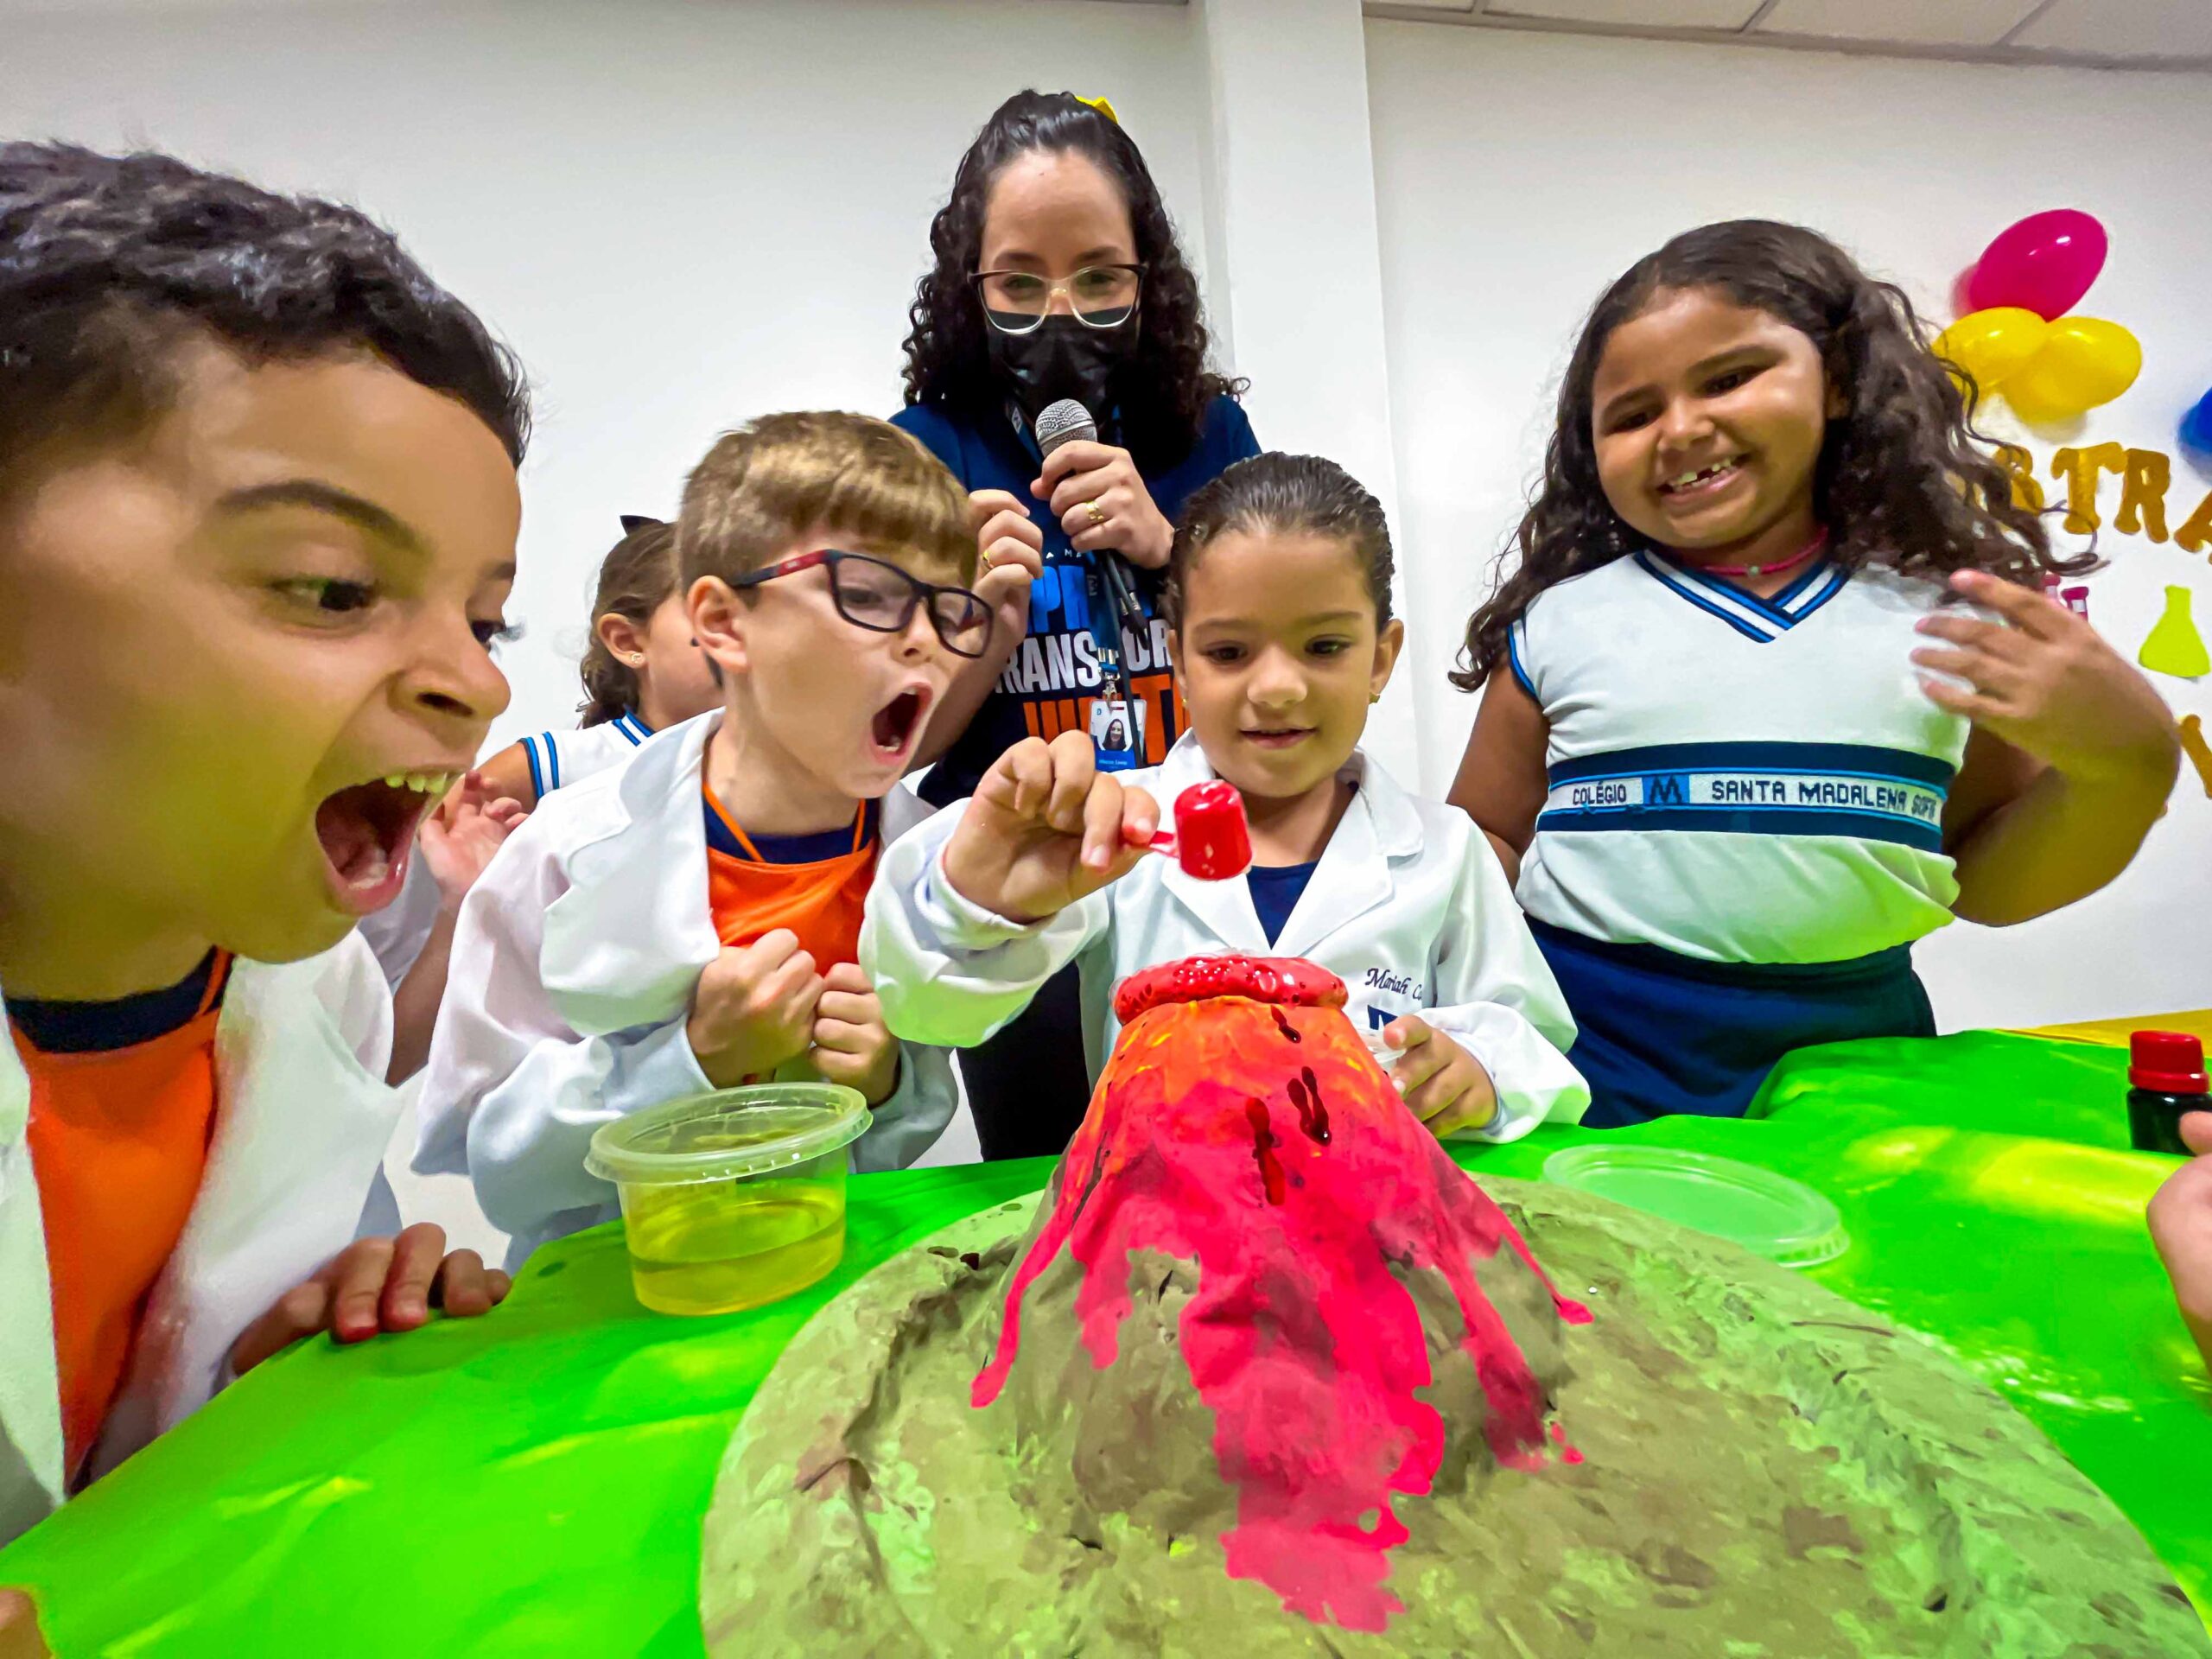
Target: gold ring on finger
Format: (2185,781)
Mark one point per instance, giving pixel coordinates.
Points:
(1097,513)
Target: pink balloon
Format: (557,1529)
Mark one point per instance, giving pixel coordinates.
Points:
(2044,264)
(1962,293)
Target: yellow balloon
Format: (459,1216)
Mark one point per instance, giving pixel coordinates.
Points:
(1994,344)
(2085,362)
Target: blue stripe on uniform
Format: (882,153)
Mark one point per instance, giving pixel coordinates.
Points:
(536,777)
(1782,600)
(1848,760)
(1657,788)
(1804,608)
(1727,591)
(1744,626)
(1513,657)
(1755,821)
(1749,613)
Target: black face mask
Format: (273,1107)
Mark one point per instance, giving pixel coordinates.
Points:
(1062,358)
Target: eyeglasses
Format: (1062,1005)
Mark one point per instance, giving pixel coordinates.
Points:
(875,594)
(1101,297)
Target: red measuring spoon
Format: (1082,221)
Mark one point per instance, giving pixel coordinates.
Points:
(1211,840)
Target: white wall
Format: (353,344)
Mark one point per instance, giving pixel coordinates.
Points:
(1289,154)
(684,214)
(1517,173)
(680,214)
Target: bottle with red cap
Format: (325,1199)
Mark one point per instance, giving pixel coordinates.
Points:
(2165,1072)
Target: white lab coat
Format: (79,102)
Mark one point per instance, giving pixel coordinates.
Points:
(574,962)
(303,1117)
(1408,905)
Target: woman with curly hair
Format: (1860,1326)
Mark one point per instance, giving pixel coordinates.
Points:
(1747,750)
(1057,276)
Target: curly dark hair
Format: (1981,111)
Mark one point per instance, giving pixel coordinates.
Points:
(109,264)
(1904,479)
(1276,493)
(1165,388)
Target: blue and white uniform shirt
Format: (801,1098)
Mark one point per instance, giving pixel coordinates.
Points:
(1738,778)
(559,759)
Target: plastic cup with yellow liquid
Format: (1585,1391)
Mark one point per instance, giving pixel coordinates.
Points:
(733,1199)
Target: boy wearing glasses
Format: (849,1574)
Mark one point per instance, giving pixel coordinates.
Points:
(691,920)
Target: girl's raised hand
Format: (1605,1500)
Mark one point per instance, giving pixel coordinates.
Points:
(1445,1087)
(1046,828)
(1101,501)
(2044,682)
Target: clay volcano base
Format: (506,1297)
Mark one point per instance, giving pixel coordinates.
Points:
(1769,1471)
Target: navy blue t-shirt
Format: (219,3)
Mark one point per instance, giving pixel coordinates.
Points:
(1275,890)
(1054,680)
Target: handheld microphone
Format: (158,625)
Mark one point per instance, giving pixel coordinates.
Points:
(1066,422)
(1063,422)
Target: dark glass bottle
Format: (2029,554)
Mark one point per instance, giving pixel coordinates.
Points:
(2165,1071)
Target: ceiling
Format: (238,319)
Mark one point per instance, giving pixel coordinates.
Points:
(2136,34)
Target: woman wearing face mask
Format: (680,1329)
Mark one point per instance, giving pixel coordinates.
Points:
(1057,276)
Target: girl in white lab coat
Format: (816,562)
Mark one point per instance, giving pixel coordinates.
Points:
(1278,597)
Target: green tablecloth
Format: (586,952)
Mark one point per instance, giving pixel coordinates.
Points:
(533,1484)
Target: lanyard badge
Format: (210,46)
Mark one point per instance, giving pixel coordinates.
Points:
(1116,717)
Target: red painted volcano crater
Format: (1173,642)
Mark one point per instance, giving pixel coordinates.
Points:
(1340,1256)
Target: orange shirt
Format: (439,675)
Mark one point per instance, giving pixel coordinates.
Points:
(815,886)
(122,1110)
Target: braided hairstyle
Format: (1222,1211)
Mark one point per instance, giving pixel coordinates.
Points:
(1165,387)
(1276,494)
(1904,479)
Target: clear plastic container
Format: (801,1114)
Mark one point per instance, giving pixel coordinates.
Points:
(733,1199)
(1782,1220)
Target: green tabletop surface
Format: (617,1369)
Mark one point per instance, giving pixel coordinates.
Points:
(533,1482)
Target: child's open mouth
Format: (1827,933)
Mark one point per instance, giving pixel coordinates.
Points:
(1703,481)
(898,724)
(368,830)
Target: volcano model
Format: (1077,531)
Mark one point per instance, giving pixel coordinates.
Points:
(1268,1374)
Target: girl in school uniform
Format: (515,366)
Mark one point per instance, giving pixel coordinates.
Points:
(1745,749)
(643,672)
(1278,594)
